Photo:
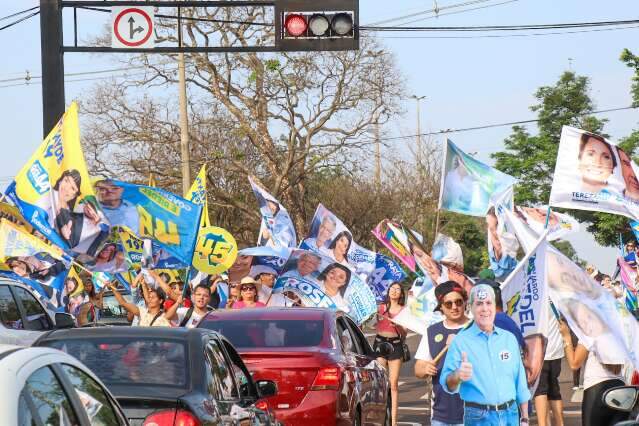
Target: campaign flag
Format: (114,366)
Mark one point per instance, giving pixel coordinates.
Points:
(308,293)
(331,238)
(594,174)
(467,184)
(197,194)
(386,272)
(559,224)
(526,302)
(276,227)
(171,221)
(343,287)
(12,214)
(53,190)
(628,276)
(591,311)
(215,250)
(410,322)
(395,240)
(31,258)
(423,306)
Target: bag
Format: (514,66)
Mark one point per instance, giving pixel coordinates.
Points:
(406,351)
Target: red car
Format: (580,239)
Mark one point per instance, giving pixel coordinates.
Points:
(325,370)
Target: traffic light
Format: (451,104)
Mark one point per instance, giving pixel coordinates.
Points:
(314,25)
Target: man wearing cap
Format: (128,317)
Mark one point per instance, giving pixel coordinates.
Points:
(451,298)
(483,365)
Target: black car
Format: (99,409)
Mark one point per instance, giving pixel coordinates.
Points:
(169,376)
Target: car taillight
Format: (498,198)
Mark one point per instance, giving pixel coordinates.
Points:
(171,418)
(262,405)
(327,378)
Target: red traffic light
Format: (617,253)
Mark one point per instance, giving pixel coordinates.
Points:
(295,25)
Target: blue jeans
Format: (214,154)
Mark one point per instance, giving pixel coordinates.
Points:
(478,417)
(438,423)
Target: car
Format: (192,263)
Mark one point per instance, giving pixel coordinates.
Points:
(112,313)
(24,316)
(165,376)
(326,371)
(42,386)
(626,399)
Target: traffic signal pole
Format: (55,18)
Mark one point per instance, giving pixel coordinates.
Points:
(52,59)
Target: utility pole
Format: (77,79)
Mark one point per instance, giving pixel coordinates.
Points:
(419,131)
(378,158)
(52,60)
(184,118)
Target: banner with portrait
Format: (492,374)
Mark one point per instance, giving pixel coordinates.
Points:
(526,302)
(171,221)
(423,306)
(395,240)
(591,311)
(276,227)
(502,244)
(467,184)
(559,224)
(329,237)
(31,258)
(338,282)
(386,272)
(197,194)
(594,174)
(54,193)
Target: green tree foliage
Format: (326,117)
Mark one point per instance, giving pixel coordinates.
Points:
(632,61)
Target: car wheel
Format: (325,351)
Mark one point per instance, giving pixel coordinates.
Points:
(388,417)
(357,420)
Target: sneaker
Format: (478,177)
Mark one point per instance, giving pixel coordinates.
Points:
(575,388)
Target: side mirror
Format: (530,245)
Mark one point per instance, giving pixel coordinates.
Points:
(266,388)
(622,398)
(64,320)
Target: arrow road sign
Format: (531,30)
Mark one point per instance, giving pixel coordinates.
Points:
(132,27)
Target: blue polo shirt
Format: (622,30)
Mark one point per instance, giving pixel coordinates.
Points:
(498,373)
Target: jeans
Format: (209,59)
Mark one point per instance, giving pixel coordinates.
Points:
(438,423)
(478,417)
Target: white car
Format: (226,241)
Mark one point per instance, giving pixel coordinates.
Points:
(24,316)
(43,386)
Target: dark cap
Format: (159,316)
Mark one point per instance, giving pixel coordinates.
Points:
(446,287)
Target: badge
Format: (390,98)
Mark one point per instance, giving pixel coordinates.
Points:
(439,338)
(504,355)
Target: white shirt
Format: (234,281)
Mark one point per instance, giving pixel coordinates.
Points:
(596,373)
(423,350)
(192,322)
(555,347)
(146,318)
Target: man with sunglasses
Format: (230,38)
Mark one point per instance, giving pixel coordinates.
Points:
(451,298)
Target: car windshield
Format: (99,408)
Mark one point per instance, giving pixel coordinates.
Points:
(269,333)
(127,361)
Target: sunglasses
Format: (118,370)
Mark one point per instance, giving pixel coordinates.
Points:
(449,304)
(247,289)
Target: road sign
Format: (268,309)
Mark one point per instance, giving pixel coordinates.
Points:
(132,27)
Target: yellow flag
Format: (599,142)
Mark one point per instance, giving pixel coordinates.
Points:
(73,283)
(215,250)
(17,242)
(197,194)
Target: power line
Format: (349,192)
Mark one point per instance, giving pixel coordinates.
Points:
(425,12)
(19,13)
(459,11)
(24,18)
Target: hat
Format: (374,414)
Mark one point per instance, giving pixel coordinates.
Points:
(257,270)
(249,280)
(486,274)
(443,289)
(481,292)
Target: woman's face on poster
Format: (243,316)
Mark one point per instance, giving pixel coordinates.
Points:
(20,268)
(565,278)
(596,162)
(336,278)
(107,253)
(341,246)
(589,322)
(67,190)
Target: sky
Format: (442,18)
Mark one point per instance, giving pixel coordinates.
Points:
(467,81)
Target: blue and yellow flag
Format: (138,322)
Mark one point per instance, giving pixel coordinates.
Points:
(54,193)
(197,194)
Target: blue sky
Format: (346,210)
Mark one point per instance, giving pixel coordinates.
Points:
(467,82)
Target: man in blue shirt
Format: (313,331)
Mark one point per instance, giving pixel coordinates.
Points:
(483,364)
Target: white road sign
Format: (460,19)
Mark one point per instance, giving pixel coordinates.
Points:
(132,27)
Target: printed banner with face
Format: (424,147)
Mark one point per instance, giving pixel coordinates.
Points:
(345,289)
(31,258)
(468,185)
(132,248)
(54,193)
(215,250)
(423,306)
(628,276)
(276,229)
(386,272)
(395,240)
(526,302)
(591,311)
(502,245)
(329,237)
(197,194)
(594,174)
(153,213)
(559,224)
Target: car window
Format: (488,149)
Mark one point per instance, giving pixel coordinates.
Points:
(221,372)
(9,313)
(242,376)
(25,417)
(271,333)
(37,318)
(95,400)
(363,348)
(52,404)
(348,344)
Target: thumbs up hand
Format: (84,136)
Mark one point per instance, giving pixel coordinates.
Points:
(465,369)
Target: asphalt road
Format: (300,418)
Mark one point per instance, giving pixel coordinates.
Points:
(414,394)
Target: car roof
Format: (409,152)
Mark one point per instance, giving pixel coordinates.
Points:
(282,313)
(6,348)
(132,332)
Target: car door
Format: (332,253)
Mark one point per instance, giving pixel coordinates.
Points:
(34,315)
(13,329)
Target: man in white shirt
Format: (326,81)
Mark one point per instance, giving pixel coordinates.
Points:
(548,395)
(191,317)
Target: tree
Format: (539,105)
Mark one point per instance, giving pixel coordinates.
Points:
(632,61)
(278,117)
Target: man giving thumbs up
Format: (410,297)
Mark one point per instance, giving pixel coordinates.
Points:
(483,364)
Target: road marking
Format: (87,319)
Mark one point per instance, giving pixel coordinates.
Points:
(400,383)
(409,423)
(425,396)
(413,408)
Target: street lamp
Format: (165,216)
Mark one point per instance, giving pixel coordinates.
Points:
(419,130)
